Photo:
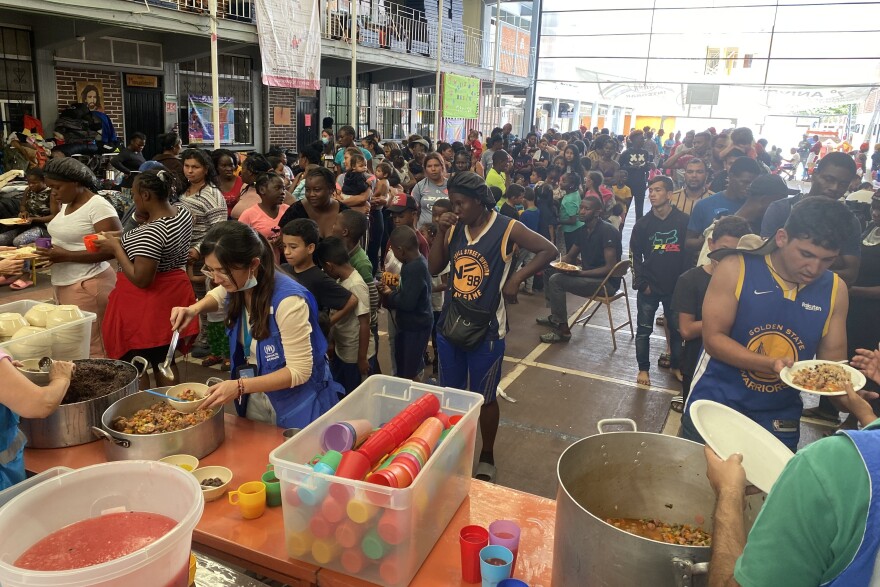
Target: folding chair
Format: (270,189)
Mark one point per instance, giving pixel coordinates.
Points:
(620,270)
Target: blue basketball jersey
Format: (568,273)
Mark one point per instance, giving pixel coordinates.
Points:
(479,266)
(775,322)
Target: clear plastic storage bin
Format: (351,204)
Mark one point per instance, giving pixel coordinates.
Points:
(66,342)
(144,486)
(376,533)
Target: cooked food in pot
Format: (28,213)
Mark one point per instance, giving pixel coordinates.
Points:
(681,534)
(188,395)
(93,379)
(825,377)
(158,418)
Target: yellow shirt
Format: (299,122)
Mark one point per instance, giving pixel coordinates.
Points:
(680,200)
(622,194)
(499,180)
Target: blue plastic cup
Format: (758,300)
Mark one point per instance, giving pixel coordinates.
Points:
(512,583)
(491,572)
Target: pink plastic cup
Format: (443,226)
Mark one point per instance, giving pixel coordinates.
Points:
(505,533)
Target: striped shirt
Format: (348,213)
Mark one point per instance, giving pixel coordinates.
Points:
(165,240)
(207,207)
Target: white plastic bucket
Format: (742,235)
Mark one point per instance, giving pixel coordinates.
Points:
(144,486)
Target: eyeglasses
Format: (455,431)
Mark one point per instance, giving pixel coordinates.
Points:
(215,275)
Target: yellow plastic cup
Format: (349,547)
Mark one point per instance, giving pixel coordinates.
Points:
(250,499)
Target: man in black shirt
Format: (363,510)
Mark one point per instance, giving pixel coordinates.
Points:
(635,162)
(658,254)
(131,157)
(600,249)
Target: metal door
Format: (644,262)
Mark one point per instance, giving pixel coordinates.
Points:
(144,112)
(307,124)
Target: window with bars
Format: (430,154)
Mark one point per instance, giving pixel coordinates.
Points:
(338,93)
(236,82)
(393,109)
(424,112)
(713,59)
(17,90)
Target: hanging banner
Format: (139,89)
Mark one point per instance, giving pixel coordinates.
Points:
(201,125)
(290,43)
(461,96)
(454,130)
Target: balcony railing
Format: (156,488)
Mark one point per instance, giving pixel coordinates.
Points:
(238,10)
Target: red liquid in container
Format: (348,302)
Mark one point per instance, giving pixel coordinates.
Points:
(95,541)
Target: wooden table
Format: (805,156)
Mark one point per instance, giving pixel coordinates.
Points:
(259,545)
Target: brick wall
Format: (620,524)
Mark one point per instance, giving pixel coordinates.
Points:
(111,83)
(283,135)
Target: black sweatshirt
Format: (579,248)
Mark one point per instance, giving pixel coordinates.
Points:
(657,251)
(412,300)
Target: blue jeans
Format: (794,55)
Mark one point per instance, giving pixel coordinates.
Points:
(647,305)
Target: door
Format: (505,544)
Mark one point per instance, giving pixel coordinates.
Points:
(307,123)
(144,112)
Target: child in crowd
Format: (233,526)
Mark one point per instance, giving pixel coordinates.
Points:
(622,193)
(531,217)
(474,144)
(554,175)
(411,302)
(549,211)
(354,349)
(300,238)
(522,179)
(513,197)
(616,216)
(538,176)
(687,300)
(265,216)
(441,206)
(438,286)
(355,187)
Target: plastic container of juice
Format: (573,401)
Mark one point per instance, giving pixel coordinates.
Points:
(413,517)
(142,486)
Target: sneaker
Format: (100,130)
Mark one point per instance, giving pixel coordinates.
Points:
(200,352)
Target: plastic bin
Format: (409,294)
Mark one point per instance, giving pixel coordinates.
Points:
(67,342)
(7,494)
(372,532)
(145,486)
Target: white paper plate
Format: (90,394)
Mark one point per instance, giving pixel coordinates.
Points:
(858,380)
(727,432)
(556,265)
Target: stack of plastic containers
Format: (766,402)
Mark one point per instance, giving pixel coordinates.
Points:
(378,532)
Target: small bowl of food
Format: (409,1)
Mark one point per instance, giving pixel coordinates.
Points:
(187,397)
(185,462)
(214,481)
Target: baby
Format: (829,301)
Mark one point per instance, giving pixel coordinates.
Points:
(355,182)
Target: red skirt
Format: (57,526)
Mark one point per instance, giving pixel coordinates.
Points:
(139,318)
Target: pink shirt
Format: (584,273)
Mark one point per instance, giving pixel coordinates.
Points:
(262,223)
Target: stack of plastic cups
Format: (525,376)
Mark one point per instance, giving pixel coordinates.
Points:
(346,435)
(411,457)
(327,465)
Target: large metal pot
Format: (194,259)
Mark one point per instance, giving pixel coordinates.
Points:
(632,475)
(71,424)
(198,441)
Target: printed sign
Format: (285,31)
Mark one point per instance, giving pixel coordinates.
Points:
(201,121)
(461,96)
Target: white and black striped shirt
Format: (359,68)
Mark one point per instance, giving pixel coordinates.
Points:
(165,240)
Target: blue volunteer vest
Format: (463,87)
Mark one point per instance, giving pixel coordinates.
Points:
(768,323)
(299,406)
(479,268)
(861,570)
(12,443)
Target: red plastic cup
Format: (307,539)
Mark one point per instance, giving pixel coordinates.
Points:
(353,561)
(444,419)
(332,510)
(320,527)
(391,527)
(453,420)
(348,534)
(89,242)
(472,539)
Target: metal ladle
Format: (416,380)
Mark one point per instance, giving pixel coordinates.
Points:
(45,365)
(165,368)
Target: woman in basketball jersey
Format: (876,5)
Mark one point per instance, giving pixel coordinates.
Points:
(477,243)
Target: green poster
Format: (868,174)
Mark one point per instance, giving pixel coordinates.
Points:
(461,96)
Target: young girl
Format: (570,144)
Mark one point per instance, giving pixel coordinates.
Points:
(474,144)
(264,217)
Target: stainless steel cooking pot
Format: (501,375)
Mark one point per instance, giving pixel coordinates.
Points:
(632,475)
(71,424)
(198,441)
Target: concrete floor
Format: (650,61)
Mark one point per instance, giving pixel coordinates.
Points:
(561,390)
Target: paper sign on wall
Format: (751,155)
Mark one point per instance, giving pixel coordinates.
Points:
(281,116)
(308,119)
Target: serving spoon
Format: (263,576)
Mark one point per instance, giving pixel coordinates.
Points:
(165,367)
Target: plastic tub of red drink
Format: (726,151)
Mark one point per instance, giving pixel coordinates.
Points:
(124,486)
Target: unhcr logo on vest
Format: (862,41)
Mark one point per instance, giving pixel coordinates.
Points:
(271,352)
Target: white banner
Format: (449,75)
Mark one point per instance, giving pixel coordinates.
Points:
(290,42)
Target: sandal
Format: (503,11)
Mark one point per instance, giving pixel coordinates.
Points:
(677,404)
(485,472)
(20,284)
(548,321)
(663,362)
(211,360)
(226,366)
(553,337)
(8,280)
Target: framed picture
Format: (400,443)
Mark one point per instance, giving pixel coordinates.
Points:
(91,93)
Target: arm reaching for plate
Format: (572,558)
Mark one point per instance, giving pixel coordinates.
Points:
(856,403)
(868,362)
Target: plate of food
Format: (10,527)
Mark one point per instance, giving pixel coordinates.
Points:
(14,221)
(822,377)
(727,432)
(563,266)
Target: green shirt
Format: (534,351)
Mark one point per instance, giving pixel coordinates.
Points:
(813,521)
(359,260)
(569,207)
(499,180)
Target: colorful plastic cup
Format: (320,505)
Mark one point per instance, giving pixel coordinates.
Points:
(299,544)
(390,527)
(506,533)
(321,528)
(43,242)
(512,583)
(332,510)
(373,546)
(453,420)
(347,435)
(273,489)
(250,499)
(349,534)
(496,564)
(472,539)
(353,561)
(325,551)
(360,511)
(89,241)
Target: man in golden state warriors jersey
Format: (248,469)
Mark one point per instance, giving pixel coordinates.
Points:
(768,308)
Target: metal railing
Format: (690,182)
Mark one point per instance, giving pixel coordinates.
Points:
(238,10)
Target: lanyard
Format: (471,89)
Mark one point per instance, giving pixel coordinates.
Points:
(246,333)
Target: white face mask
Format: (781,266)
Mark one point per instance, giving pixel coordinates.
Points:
(249,284)
(325,140)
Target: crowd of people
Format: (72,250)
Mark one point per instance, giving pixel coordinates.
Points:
(277,270)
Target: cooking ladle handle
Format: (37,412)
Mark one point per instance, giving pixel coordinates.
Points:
(616,422)
(685,570)
(104,435)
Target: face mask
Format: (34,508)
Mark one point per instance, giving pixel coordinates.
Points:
(249,284)
(325,140)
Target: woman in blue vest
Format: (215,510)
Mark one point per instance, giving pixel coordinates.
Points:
(21,397)
(281,374)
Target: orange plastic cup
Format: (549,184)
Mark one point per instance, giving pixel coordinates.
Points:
(89,241)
